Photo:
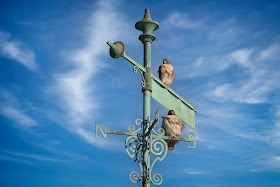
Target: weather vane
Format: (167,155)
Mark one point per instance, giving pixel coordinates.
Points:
(144,140)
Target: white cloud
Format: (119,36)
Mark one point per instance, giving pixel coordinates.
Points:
(242,56)
(267,162)
(181,21)
(273,135)
(17,51)
(35,157)
(224,33)
(206,66)
(11,108)
(27,158)
(203,67)
(195,172)
(75,87)
(260,80)
(270,52)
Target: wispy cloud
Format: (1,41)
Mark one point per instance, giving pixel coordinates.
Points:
(271,52)
(224,33)
(198,172)
(273,135)
(262,78)
(15,160)
(267,162)
(195,172)
(11,108)
(242,56)
(203,67)
(181,21)
(75,87)
(17,51)
(35,157)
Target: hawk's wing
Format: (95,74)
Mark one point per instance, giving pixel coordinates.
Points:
(171,119)
(159,71)
(175,120)
(173,75)
(164,120)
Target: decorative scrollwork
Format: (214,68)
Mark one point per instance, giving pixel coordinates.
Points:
(138,122)
(132,146)
(134,177)
(135,68)
(158,148)
(160,132)
(156,179)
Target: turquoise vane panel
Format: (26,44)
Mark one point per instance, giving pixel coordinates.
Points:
(166,99)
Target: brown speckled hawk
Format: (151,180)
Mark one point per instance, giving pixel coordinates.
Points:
(173,127)
(166,72)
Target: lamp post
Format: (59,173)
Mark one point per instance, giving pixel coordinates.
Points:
(149,141)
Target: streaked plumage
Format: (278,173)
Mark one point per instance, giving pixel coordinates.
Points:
(173,127)
(166,72)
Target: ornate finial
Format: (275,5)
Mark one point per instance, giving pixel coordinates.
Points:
(147,25)
(147,15)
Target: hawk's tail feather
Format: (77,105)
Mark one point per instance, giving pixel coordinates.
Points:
(170,146)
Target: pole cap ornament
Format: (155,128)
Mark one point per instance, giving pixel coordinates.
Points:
(116,49)
(147,25)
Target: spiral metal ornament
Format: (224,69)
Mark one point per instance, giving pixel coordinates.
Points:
(158,148)
(156,179)
(135,68)
(138,122)
(134,177)
(132,146)
(161,132)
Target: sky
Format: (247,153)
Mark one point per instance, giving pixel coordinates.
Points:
(57,80)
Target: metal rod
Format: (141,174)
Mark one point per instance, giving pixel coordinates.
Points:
(123,133)
(153,136)
(134,62)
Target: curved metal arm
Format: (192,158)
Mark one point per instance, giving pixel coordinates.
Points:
(143,84)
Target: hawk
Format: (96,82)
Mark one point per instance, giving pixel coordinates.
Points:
(166,72)
(173,127)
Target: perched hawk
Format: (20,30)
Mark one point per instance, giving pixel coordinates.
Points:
(173,127)
(166,72)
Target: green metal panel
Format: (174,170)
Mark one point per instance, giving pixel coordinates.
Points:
(166,99)
(174,93)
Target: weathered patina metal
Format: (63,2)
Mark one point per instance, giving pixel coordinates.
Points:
(116,49)
(145,140)
(170,102)
(156,135)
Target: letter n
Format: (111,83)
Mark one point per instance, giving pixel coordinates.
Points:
(103,134)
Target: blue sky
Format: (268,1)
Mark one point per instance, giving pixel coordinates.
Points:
(57,80)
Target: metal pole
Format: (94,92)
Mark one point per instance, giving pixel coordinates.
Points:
(146,116)
(147,25)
